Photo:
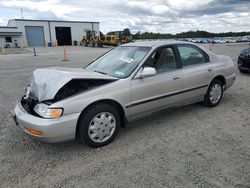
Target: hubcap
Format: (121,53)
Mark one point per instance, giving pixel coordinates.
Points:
(102,127)
(215,93)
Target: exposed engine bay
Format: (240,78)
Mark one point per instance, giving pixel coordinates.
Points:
(78,85)
(51,85)
(73,87)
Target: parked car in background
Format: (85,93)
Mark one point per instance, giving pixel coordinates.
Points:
(91,104)
(244,60)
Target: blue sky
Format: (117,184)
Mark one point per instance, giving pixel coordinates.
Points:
(164,16)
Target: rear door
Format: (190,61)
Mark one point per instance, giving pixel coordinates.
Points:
(197,72)
(159,91)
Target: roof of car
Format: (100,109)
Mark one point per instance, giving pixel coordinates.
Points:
(155,43)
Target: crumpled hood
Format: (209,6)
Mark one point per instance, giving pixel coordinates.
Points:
(46,82)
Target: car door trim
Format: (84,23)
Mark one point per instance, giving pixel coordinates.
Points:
(164,96)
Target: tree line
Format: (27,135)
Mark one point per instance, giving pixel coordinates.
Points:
(188,34)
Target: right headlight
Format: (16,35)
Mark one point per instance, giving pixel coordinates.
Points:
(44,111)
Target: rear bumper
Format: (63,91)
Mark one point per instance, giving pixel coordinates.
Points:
(54,130)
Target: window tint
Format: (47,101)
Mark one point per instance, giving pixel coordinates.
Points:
(163,60)
(191,56)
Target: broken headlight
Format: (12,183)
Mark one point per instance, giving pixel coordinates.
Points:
(44,111)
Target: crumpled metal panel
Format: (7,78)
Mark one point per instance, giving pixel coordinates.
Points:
(46,82)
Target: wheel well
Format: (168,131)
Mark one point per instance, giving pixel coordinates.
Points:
(106,101)
(220,78)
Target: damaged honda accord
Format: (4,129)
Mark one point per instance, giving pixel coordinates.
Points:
(91,104)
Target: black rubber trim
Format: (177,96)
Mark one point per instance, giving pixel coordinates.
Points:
(165,96)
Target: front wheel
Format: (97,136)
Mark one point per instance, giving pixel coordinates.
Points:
(214,94)
(99,125)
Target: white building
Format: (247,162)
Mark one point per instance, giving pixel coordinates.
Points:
(24,33)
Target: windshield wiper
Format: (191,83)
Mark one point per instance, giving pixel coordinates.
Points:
(101,72)
(104,73)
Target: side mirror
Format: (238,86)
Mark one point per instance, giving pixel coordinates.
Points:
(147,72)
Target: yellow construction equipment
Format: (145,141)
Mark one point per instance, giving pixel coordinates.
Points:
(90,39)
(116,38)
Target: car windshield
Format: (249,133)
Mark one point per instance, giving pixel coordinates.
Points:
(119,62)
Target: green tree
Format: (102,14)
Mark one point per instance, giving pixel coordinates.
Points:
(127,32)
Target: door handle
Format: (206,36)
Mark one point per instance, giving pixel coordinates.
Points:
(209,70)
(176,77)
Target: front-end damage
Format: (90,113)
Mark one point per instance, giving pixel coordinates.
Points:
(51,85)
(76,86)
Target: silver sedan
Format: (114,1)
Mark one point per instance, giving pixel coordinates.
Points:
(91,104)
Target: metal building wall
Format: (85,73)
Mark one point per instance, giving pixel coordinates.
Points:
(77,29)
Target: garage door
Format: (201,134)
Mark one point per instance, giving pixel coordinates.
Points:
(35,35)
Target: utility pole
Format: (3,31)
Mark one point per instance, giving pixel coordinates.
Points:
(22,13)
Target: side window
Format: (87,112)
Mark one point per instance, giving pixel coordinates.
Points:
(191,56)
(163,60)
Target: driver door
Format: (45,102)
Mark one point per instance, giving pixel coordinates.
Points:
(158,91)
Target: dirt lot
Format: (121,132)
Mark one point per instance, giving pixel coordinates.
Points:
(192,146)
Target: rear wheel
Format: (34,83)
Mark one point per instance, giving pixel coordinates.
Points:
(214,94)
(99,125)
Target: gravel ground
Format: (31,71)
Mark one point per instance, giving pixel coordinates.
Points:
(192,146)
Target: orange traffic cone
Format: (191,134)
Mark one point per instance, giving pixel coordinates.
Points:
(65,54)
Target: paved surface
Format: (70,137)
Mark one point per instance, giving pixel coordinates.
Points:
(8,51)
(192,146)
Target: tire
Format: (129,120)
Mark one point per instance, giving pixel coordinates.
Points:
(216,87)
(94,122)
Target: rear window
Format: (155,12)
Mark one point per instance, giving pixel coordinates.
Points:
(191,55)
